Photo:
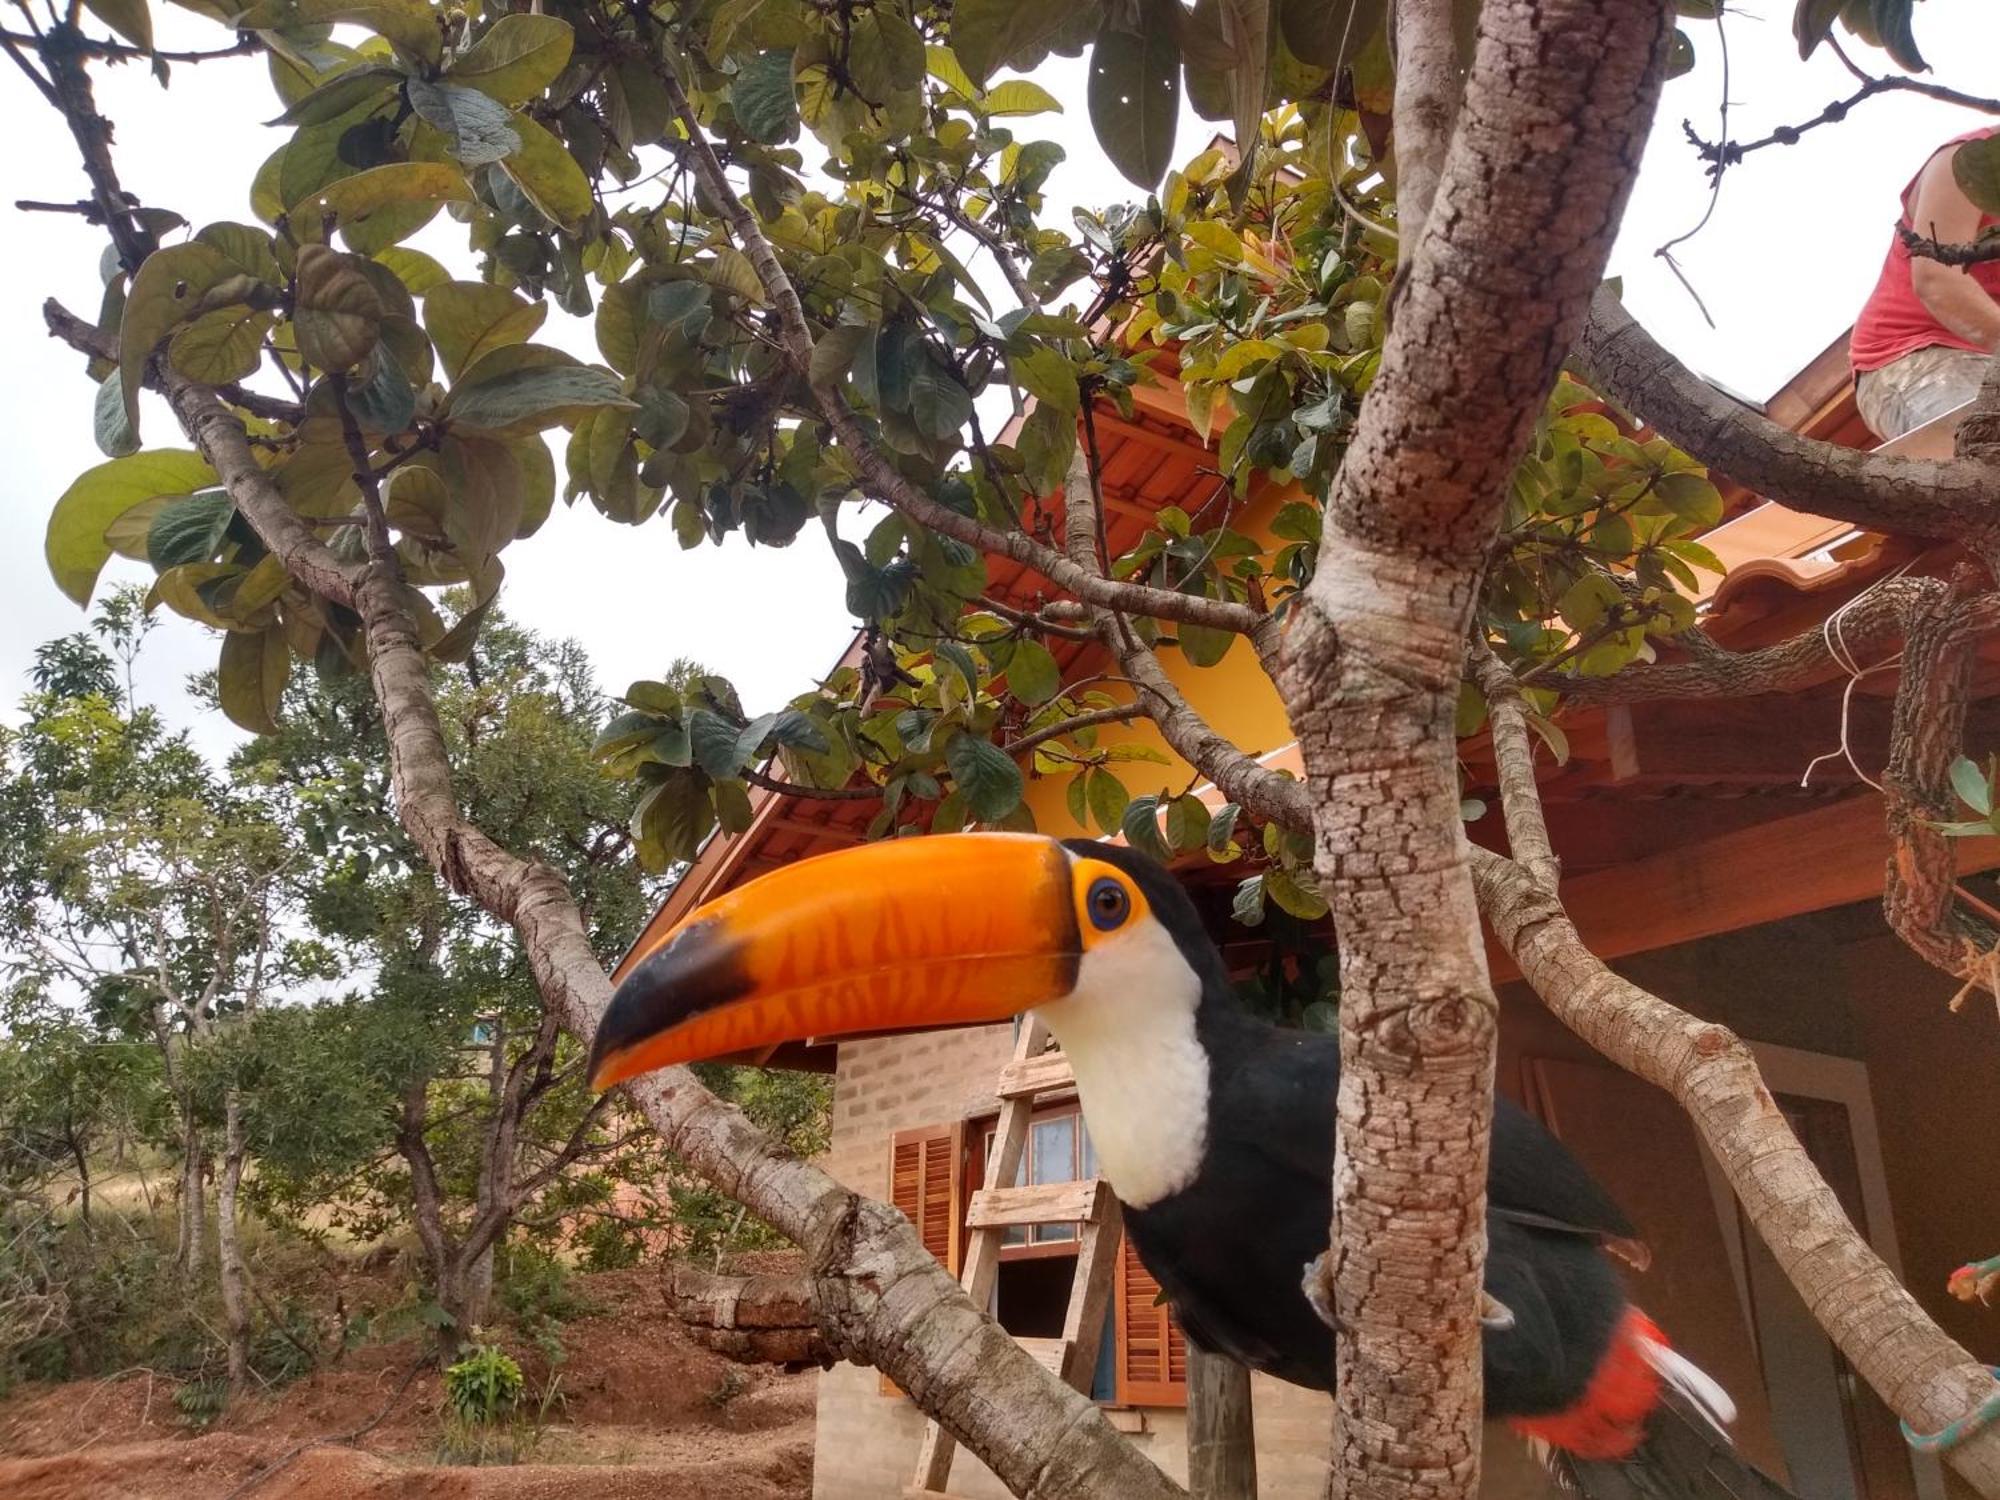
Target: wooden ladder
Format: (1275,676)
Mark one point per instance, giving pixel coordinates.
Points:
(994,1210)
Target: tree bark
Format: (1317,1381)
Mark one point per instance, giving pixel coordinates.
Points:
(1916,497)
(1550,129)
(1221,1428)
(228,1246)
(194,1217)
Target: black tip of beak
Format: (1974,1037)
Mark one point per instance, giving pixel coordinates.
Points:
(699,969)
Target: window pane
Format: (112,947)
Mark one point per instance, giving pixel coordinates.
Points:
(1055,1161)
(1055,1150)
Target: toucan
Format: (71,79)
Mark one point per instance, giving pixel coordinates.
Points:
(1214,1128)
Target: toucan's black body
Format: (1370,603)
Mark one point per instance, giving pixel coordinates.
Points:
(1230,1249)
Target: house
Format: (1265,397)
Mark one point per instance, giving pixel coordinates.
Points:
(1721,854)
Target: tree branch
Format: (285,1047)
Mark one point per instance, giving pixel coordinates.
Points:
(1721,155)
(1514,756)
(1123,713)
(1919,497)
(1862,631)
(1924,1376)
(1979,251)
(1919,896)
(882,478)
(1426,103)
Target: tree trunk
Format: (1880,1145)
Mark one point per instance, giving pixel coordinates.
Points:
(1221,1430)
(229,1249)
(82,1160)
(194,1217)
(1550,129)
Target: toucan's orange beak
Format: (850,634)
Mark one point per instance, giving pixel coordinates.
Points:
(885,937)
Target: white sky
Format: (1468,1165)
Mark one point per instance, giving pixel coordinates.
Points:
(1791,251)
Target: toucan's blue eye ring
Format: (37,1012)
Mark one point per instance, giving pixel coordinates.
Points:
(1107,903)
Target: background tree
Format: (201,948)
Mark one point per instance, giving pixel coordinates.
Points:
(782,344)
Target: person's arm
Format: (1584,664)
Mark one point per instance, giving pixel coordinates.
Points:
(1942,212)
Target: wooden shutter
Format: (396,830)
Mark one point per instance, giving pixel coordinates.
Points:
(925,1183)
(1152,1350)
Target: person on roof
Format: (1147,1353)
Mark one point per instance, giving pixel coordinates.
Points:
(1927,334)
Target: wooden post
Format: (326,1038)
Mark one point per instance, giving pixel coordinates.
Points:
(1221,1434)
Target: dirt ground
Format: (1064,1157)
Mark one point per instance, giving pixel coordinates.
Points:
(642,1413)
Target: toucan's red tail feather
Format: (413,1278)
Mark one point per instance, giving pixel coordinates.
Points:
(1609,1421)
(1651,1426)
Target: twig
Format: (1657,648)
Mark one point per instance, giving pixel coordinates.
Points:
(1985,248)
(813,793)
(1123,713)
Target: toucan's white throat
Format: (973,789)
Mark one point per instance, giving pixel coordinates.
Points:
(1141,1072)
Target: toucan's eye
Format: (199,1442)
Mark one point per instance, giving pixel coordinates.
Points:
(1107,903)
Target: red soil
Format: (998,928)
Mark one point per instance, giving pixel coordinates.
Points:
(643,1412)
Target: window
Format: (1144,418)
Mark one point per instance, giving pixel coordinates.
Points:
(1058,1150)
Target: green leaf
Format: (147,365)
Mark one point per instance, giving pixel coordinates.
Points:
(732,806)
(1141,827)
(1691,497)
(477,129)
(714,742)
(419,273)
(108,423)
(1187,822)
(226,343)
(338,318)
(834,354)
(938,403)
(250,679)
(466,319)
(341,94)
(1294,895)
(129,18)
(1329,33)
(1976,168)
(516,59)
(672,819)
(410,25)
(1074,796)
(75,545)
(188,530)
(1222,845)
(533,395)
(1203,645)
(1247,906)
(1969,781)
(1891,20)
(544,170)
(381,396)
(1812,20)
(1047,375)
(1246,31)
(985,776)
(1032,674)
(1018,96)
(1135,99)
(1108,800)
(797,731)
(351,201)
(987,33)
(750,739)
(166,291)
(766,107)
